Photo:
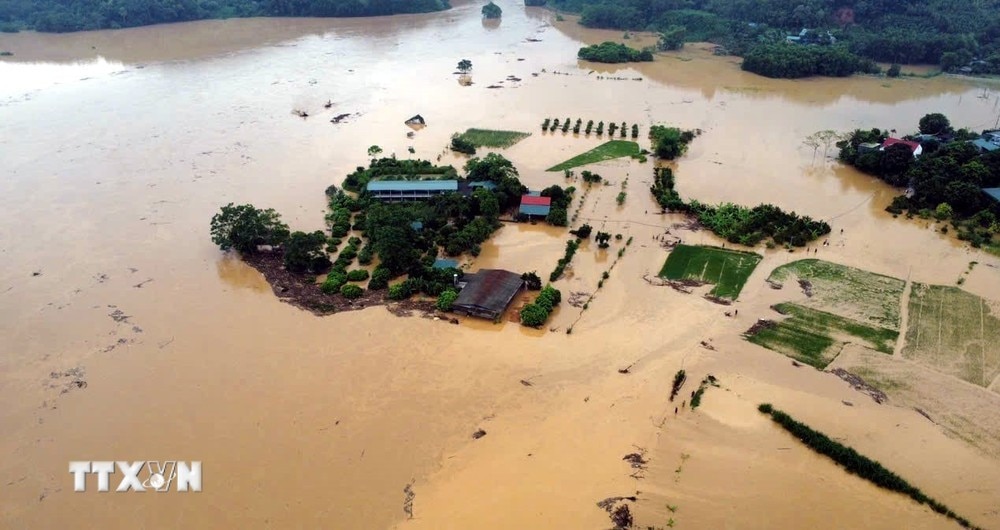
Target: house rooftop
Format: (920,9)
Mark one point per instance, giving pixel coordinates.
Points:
(535,205)
(893,141)
(985,145)
(993,192)
(442,263)
(488,292)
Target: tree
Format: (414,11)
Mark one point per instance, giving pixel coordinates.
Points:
(374,151)
(244,227)
(492,10)
(602,239)
(534,315)
(556,217)
(894,70)
(672,38)
(446,299)
(351,291)
(583,232)
(935,123)
(943,211)
(533,281)
(304,252)
(464,66)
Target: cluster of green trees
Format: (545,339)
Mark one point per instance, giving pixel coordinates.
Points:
(571,246)
(931,31)
(536,313)
(945,181)
(739,224)
(553,124)
(750,226)
(561,199)
(612,52)
(856,463)
(77,15)
(670,142)
(794,61)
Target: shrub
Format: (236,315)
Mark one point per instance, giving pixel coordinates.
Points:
(532,280)
(366,255)
(583,232)
(334,281)
(679,379)
(400,291)
(351,291)
(446,299)
(380,279)
(462,145)
(357,275)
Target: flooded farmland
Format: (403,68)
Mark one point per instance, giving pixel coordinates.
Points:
(127,335)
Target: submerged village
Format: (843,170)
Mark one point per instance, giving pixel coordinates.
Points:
(503,264)
(406,233)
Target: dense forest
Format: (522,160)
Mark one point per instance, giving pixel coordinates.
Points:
(944,182)
(76,15)
(954,34)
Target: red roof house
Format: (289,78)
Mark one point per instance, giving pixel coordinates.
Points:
(915,147)
(535,205)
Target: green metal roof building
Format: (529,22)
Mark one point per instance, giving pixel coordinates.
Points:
(410,190)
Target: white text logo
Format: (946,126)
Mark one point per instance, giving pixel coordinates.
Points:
(141,475)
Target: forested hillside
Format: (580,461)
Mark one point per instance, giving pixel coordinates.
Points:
(952,33)
(75,15)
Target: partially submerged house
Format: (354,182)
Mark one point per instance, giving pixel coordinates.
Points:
(915,147)
(984,145)
(416,120)
(487,293)
(409,190)
(534,205)
(810,36)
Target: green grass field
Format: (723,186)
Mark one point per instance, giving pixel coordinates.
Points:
(606,151)
(816,337)
(491,138)
(954,332)
(852,293)
(727,269)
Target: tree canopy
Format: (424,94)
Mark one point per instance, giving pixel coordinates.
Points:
(612,52)
(77,15)
(908,32)
(245,227)
(492,10)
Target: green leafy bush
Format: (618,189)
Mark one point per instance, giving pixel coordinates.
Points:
(446,299)
(351,291)
(357,275)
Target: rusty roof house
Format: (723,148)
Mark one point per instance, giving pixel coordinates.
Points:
(487,293)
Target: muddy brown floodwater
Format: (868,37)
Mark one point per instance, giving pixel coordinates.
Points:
(127,335)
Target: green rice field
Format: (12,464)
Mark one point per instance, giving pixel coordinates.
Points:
(606,151)
(727,269)
(493,138)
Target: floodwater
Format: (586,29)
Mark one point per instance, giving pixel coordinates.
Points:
(117,148)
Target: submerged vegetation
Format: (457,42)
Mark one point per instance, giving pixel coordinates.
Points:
(612,52)
(492,138)
(670,142)
(856,463)
(953,331)
(728,270)
(815,337)
(606,151)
